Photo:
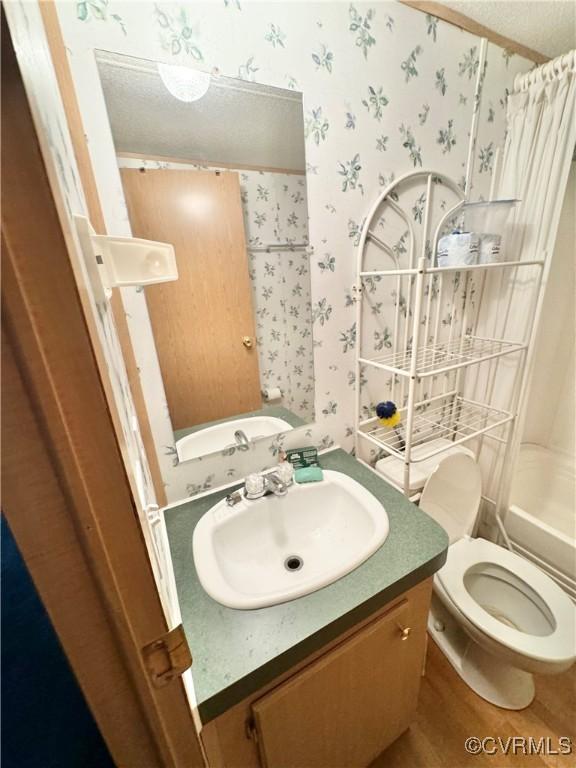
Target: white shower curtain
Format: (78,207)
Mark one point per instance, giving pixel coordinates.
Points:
(541,133)
(540,139)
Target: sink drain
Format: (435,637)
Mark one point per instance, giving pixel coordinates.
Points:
(293,563)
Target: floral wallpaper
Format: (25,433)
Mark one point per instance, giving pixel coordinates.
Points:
(386,89)
(275,208)
(502,67)
(275,213)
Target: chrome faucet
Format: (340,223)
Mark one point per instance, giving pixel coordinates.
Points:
(263,484)
(259,485)
(242,442)
(275,485)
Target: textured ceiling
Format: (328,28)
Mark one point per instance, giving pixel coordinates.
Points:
(546,26)
(236,122)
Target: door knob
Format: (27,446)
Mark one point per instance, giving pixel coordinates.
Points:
(248,342)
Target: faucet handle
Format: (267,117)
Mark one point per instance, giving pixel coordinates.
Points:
(254,486)
(285,472)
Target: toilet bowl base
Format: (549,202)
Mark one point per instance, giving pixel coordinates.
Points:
(495,680)
(490,677)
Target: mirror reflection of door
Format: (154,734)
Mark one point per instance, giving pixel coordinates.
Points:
(203,323)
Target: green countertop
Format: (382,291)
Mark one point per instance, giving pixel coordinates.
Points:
(237,652)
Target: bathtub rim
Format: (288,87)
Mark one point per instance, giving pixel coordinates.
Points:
(566,463)
(549,529)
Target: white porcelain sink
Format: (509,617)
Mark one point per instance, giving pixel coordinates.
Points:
(221,436)
(247,556)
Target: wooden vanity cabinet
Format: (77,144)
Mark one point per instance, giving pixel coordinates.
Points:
(339,708)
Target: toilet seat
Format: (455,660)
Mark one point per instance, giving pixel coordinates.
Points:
(558,646)
(452,495)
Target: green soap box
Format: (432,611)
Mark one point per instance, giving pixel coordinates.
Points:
(300,458)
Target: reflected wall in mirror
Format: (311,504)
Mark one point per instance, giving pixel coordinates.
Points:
(216,167)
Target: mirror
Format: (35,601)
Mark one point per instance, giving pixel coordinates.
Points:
(216,166)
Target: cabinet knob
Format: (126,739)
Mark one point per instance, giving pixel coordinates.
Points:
(250,730)
(248,342)
(404,632)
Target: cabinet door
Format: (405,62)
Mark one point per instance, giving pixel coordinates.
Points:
(348,706)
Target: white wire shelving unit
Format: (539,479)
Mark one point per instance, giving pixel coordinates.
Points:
(445,323)
(450,417)
(441,357)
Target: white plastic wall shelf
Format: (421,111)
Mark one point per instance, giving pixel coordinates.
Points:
(450,417)
(133,261)
(442,357)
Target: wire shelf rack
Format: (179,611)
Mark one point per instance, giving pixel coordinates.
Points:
(452,418)
(441,357)
(438,326)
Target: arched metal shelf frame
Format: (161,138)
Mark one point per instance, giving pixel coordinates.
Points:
(420,353)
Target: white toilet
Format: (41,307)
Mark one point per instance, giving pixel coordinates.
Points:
(496,617)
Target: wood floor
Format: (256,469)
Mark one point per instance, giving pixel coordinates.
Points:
(449,712)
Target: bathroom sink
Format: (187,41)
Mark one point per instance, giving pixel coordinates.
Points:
(221,436)
(276,548)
